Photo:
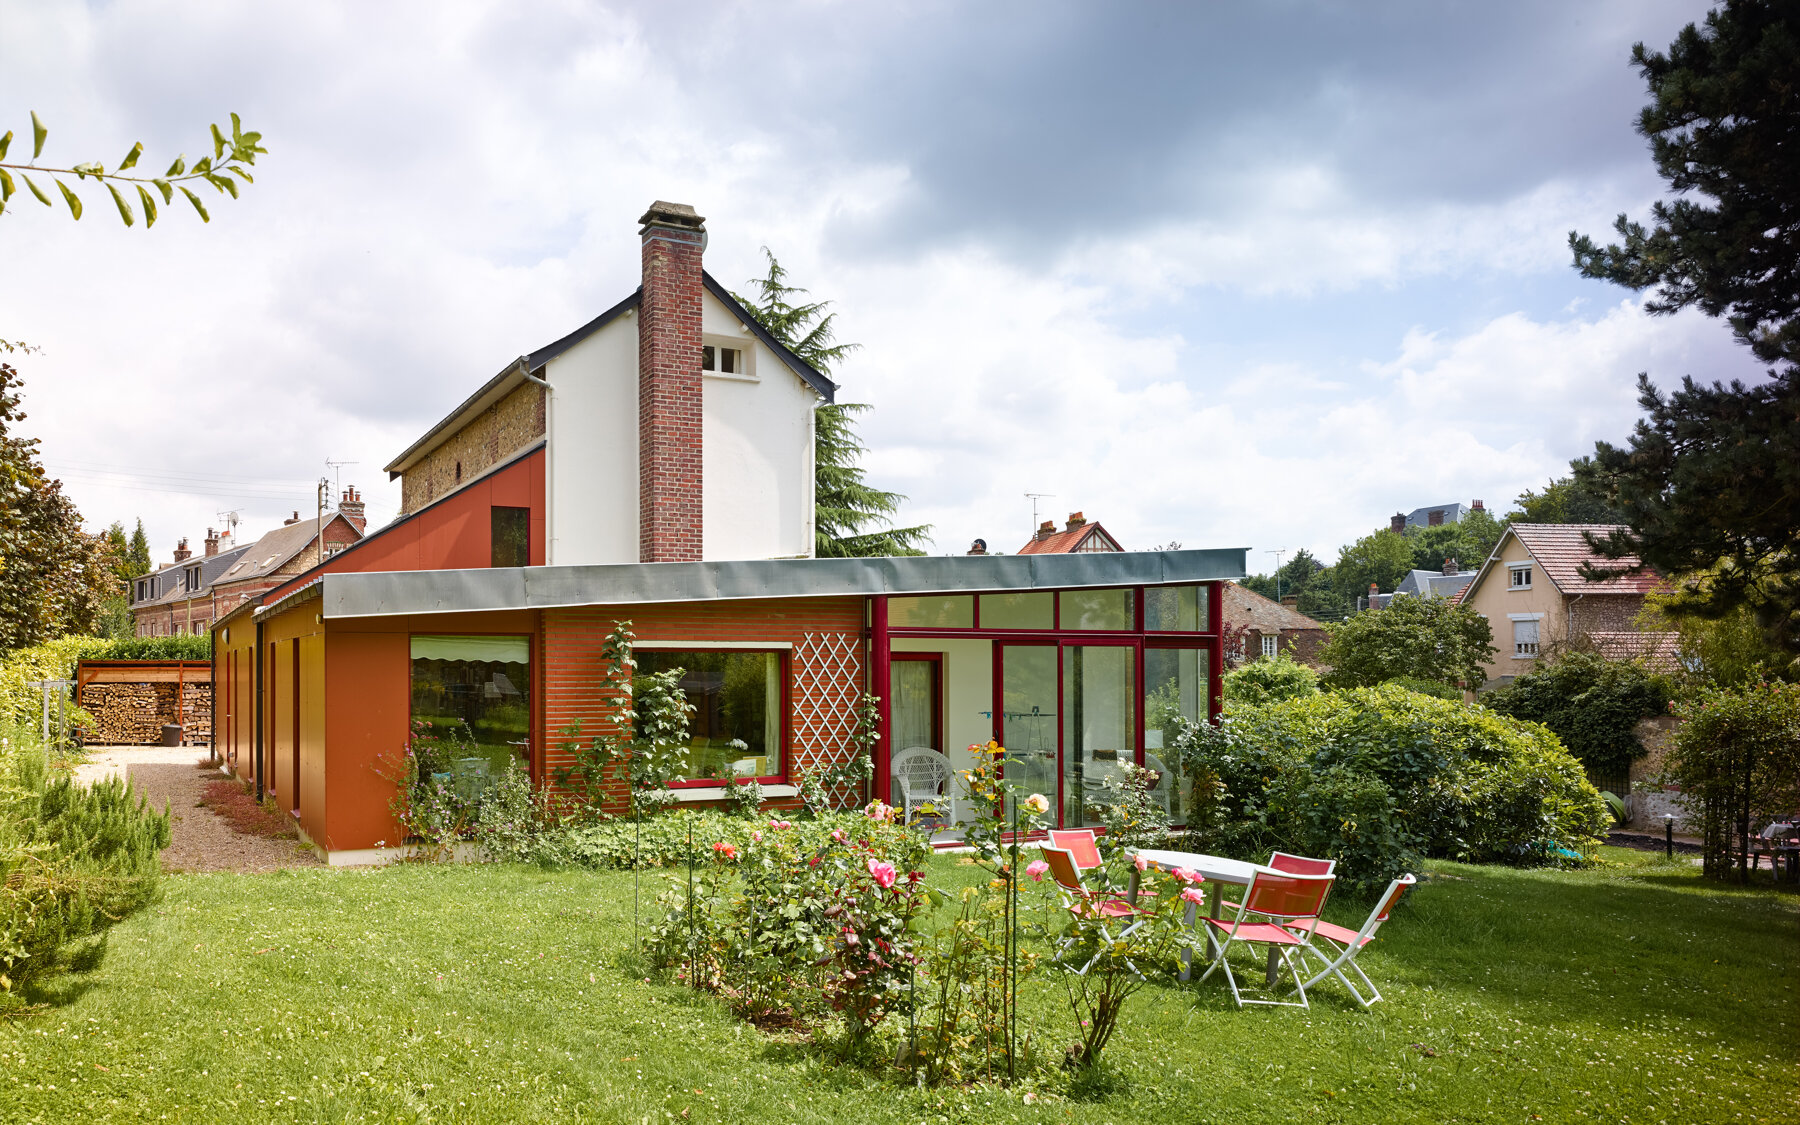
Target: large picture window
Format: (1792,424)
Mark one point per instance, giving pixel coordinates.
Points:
(474,694)
(737,719)
(1176,681)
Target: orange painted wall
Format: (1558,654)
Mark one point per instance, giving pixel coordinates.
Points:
(367,676)
(456,533)
(281,631)
(234,700)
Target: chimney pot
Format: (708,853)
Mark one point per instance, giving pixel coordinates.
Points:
(1374,589)
(1450,567)
(1290,600)
(1476,505)
(979,547)
(350,506)
(1046,530)
(669,424)
(212,542)
(182,554)
(1076,519)
(1397,523)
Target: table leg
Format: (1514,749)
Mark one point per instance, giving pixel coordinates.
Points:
(1187,952)
(1131,888)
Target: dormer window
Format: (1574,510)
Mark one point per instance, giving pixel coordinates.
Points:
(1519,576)
(722,360)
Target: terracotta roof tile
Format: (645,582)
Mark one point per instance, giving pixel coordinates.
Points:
(1250,609)
(1065,542)
(1561,548)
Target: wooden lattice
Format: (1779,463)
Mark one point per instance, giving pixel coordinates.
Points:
(828,681)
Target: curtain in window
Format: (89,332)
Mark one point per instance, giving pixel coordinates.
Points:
(912,704)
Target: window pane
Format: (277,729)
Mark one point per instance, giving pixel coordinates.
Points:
(1175,687)
(706,358)
(736,697)
(914,704)
(1096,609)
(945,611)
(1028,719)
(473,697)
(1099,713)
(511,536)
(1035,610)
(1170,609)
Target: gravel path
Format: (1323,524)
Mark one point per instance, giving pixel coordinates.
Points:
(201,841)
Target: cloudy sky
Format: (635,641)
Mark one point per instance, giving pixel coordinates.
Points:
(1228,275)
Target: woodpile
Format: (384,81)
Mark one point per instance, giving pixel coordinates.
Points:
(134,714)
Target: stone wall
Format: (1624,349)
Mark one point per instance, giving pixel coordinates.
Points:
(1649,802)
(1607,613)
(490,437)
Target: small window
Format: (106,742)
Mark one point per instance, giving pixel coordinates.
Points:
(1175,609)
(1521,576)
(1032,609)
(1268,644)
(1525,639)
(512,536)
(723,361)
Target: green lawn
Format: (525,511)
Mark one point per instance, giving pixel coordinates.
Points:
(1630,993)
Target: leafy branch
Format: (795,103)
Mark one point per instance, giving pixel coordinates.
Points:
(231,158)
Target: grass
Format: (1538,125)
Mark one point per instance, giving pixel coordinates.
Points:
(1632,993)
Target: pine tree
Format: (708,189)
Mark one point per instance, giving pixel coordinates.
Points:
(139,552)
(852,519)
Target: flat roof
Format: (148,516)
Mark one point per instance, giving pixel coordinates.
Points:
(393,593)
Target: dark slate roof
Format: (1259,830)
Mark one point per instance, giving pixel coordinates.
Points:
(272,552)
(1434,584)
(211,567)
(1421,517)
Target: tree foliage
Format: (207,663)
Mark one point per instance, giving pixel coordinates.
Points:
(1728,651)
(1735,763)
(1570,499)
(1267,681)
(1380,559)
(1591,703)
(231,159)
(54,577)
(1415,638)
(852,519)
(1724,129)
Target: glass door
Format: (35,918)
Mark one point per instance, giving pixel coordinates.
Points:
(1027,719)
(1099,727)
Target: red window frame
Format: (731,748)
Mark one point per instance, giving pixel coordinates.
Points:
(784,660)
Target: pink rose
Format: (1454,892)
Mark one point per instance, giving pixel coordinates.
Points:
(1141,863)
(883,873)
(756,837)
(1036,869)
(1188,875)
(837,835)
(780,825)
(1193,895)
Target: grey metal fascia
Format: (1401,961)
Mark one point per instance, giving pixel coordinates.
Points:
(390,593)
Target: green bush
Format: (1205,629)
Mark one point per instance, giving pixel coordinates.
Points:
(1414,638)
(1437,689)
(74,860)
(56,660)
(1265,681)
(1591,703)
(1376,777)
(1736,759)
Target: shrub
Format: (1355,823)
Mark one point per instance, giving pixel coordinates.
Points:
(1737,762)
(1266,681)
(1591,703)
(1437,689)
(1374,777)
(74,860)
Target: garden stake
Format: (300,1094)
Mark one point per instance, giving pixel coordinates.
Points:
(1010,986)
(637,863)
(693,955)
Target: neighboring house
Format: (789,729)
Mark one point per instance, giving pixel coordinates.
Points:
(655,467)
(1269,627)
(178,598)
(1533,594)
(1433,515)
(1079,537)
(291,549)
(1421,584)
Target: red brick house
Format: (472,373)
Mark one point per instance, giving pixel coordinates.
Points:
(654,466)
(1259,628)
(1080,536)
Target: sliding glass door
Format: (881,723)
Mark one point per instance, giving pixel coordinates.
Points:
(1099,727)
(1028,717)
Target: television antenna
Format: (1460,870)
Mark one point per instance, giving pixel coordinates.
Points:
(1034,498)
(337,484)
(1277,552)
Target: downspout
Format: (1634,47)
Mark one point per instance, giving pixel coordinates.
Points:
(523,364)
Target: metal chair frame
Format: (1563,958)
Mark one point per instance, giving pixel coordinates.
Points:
(1289,905)
(1340,946)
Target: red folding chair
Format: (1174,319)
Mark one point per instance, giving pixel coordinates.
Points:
(1080,844)
(1301,865)
(1278,911)
(1086,903)
(1340,946)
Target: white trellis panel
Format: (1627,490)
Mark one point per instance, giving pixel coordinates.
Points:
(828,681)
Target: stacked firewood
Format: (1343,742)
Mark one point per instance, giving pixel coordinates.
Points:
(196,714)
(127,714)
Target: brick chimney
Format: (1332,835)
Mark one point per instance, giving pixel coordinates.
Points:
(351,506)
(182,554)
(212,542)
(979,547)
(1476,505)
(291,520)
(669,504)
(1290,600)
(1397,524)
(1076,519)
(1045,530)
(1449,568)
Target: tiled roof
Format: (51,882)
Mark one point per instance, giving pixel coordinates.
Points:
(1561,548)
(1068,541)
(1249,609)
(273,550)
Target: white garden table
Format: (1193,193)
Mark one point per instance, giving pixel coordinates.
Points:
(1212,868)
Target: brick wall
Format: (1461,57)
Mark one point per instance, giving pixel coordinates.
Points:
(490,437)
(1302,645)
(825,670)
(669,416)
(1607,613)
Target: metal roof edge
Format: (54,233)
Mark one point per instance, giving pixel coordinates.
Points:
(495,388)
(812,376)
(392,593)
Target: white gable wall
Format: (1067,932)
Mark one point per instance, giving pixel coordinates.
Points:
(757,463)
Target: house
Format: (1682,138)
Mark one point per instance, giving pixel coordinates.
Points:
(1421,584)
(1534,596)
(655,466)
(177,598)
(1434,515)
(1079,536)
(293,548)
(1261,627)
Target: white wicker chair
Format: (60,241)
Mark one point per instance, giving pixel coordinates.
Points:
(919,775)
